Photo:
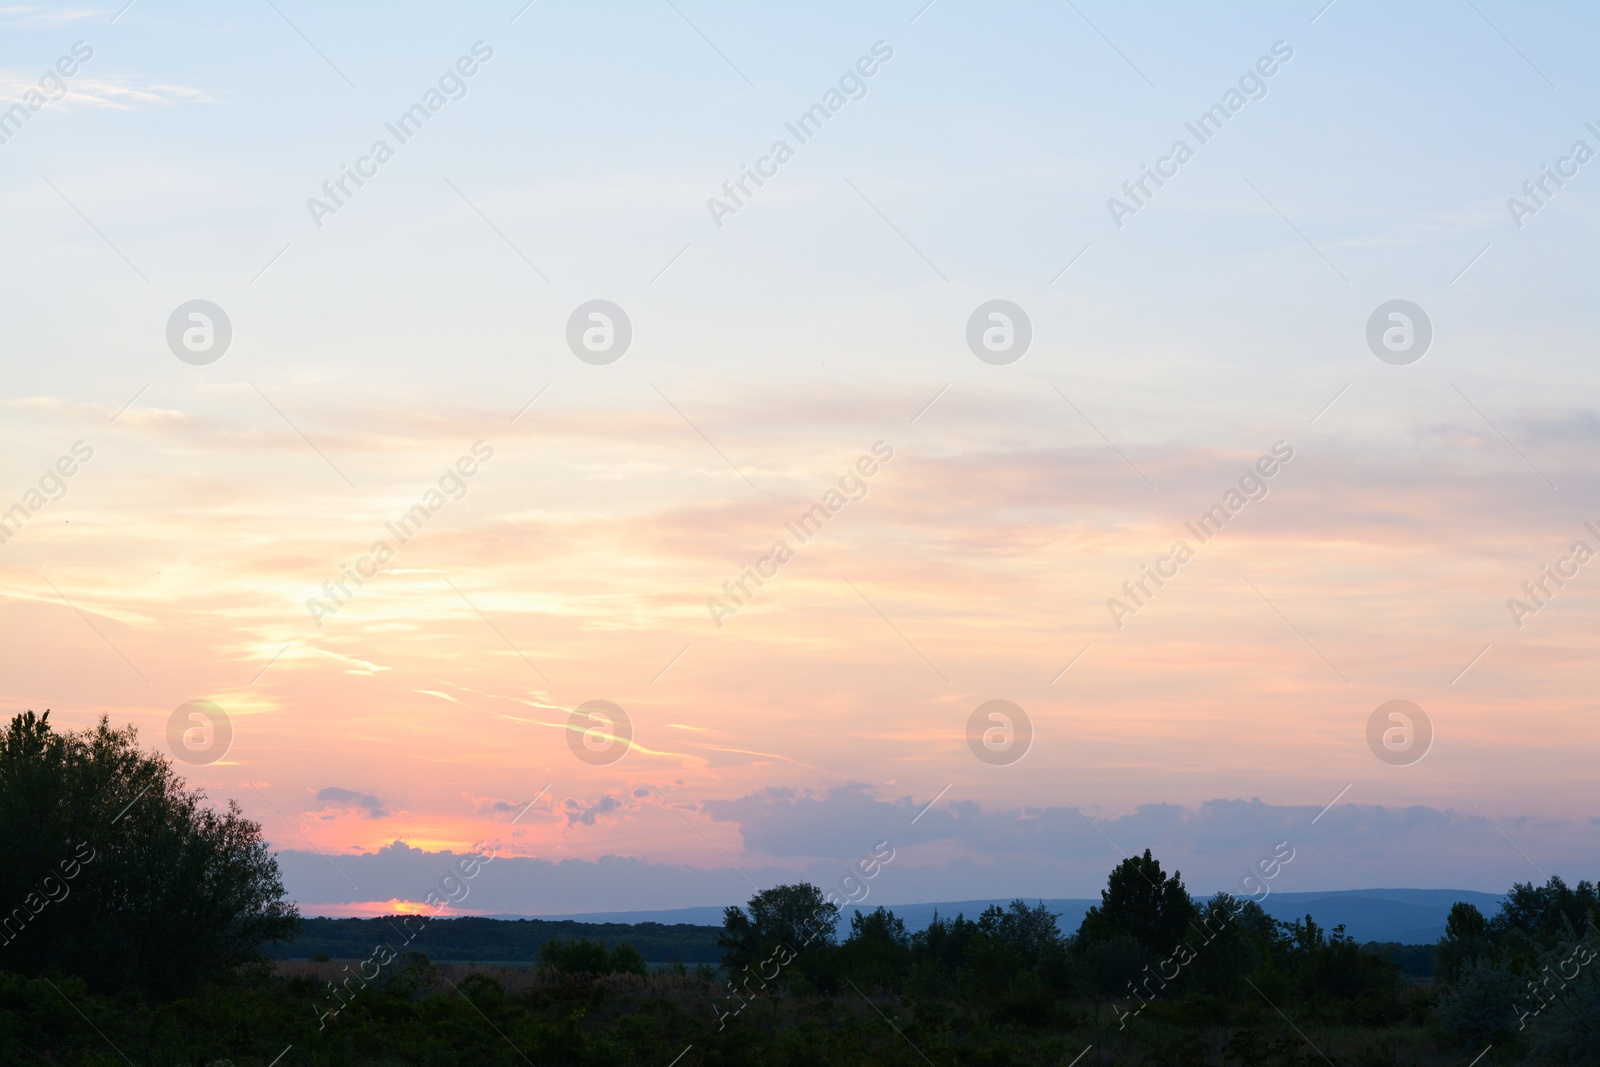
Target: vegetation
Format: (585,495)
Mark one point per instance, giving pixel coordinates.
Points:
(577,958)
(1530,970)
(113,871)
(93,970)
(471,939)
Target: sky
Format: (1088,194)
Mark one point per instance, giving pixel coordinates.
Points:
(355,502)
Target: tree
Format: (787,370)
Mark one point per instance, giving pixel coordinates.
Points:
(1532,921)
(938,954)
(1466,938)
(625,959)
(1562,1018)
(1478,1008)
(116,872)
(1141,902)
(1547,914)
(1031,931)
(878,951)
(1238,936)
(1464,921)
(784,922)
(574,957)
(591,958)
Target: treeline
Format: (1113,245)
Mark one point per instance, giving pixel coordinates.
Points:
(1147,941)
(471,939)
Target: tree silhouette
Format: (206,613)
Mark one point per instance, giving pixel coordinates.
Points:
(583,956)
(113,870)
(785,923)
(1031,931)
(878,951)
(1141,902)
(1465,921)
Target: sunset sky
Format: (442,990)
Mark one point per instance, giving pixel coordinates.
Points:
(424,322)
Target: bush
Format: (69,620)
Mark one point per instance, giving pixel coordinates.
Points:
(1567,1031)
(591,958)
(1477,1009)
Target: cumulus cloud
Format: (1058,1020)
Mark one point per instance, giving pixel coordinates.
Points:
(965,848)
(493,805)
(612,804)
(342,801)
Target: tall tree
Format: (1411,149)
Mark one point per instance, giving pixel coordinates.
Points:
(1142,902)
(784,921)
(1466,938)
(115,871)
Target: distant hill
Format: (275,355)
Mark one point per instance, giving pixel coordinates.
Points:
(1406,916)
(471,939)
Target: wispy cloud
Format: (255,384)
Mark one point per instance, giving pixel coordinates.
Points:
(33,16)
(110,92)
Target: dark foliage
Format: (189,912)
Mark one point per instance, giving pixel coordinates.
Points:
(112,870)
(1141,902)
(479,940)
(786,935)
(1529,973)
(591,958)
